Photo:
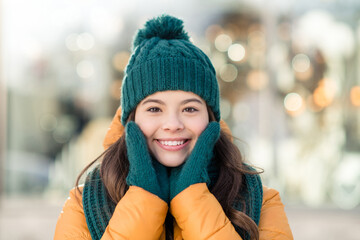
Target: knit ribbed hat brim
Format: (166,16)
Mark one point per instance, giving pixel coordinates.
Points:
(164,59)
(164,74)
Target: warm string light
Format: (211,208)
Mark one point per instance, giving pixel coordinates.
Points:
(324,94)
(228,73)
(236,52)
(223,42)
(302,67)
(355,96)
(257,80)
(294,104)
(229,53)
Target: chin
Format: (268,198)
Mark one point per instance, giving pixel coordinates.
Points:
(171,162)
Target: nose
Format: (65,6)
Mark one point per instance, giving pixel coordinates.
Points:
(173,122)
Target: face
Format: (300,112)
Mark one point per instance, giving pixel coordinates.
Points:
(172,121)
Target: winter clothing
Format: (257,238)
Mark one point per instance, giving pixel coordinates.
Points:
(104,205)
(164,59)
(95,198)
(144,172)
(141,215)
(194,170)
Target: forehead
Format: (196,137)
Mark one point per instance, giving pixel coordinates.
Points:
(173,95)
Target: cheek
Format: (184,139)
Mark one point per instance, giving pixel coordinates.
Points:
(148,127)
(198,127)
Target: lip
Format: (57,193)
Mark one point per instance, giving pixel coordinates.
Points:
(175,147)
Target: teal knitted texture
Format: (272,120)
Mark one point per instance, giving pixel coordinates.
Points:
(194,170)
(142,171)
(164,26)
(164,59)
(255,193)
(98,207)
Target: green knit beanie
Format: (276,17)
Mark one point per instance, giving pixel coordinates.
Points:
(164,59)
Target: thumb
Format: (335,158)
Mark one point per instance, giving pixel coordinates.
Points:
(134,138)
(207,139)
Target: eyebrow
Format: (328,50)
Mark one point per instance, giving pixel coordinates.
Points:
(150,100)
(191,100)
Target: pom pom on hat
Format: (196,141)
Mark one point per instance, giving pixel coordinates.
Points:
(163,27)
(164,59)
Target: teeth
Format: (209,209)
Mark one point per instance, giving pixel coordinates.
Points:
(172,143)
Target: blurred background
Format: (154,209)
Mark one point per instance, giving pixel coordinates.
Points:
(290,85)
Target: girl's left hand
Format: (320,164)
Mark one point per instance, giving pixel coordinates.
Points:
(194,170)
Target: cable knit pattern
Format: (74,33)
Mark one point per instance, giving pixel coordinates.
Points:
(164,59)
(98,207)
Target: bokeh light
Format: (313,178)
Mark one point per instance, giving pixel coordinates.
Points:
(325,92)
(85,41)
(294,104)
(85,69)
(287,74)
(223,42)
(228,73)
(257,80)
(236,52)
(355,96)
(312,105)
(75,42)
(218,59)
(301,63)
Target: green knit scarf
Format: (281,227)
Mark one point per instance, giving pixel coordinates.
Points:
(98,207)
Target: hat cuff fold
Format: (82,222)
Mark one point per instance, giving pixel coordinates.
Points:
(169,73)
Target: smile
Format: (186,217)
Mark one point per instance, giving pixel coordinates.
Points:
(171,143)
(174,145)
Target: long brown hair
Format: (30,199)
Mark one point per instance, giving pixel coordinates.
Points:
(114,168)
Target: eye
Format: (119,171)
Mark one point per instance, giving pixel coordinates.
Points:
(190,109)
(154,109)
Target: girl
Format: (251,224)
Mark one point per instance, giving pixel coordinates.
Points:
(172,172)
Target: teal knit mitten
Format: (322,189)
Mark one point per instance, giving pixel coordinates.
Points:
(194,170)
(144,172)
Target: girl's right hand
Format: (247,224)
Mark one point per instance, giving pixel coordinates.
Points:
(144,172)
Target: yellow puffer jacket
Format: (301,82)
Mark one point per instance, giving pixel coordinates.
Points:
(141,214)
